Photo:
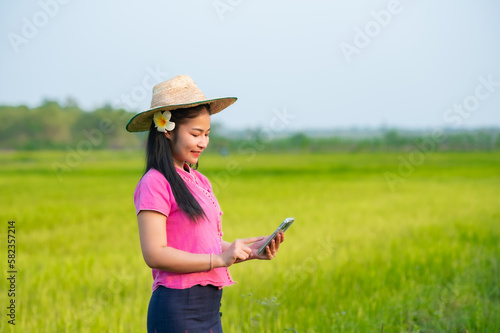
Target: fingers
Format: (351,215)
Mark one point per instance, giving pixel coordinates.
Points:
(252,239)
(241,244)
(241,250)
(279,239)
(273,247)
(243,253)
(270,252)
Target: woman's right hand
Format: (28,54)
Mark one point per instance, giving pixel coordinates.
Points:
(237,251)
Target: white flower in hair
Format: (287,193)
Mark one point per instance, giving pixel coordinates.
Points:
(162,121)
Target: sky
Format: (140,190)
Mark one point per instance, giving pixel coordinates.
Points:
(294,65)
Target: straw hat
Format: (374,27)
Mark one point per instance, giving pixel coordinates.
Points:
(178,93)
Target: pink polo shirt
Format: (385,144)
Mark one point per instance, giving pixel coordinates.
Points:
(153,192)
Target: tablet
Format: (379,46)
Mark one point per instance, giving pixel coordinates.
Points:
(283,227)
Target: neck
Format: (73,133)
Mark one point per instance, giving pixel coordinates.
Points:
(184,166)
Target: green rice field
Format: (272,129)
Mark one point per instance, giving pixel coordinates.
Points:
(377,245)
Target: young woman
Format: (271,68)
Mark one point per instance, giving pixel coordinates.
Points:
(179,218)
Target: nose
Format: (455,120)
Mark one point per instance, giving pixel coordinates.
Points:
(203,143)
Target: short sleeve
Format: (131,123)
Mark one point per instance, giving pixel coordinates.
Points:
(153,192)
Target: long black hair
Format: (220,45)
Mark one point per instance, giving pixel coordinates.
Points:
(159,156)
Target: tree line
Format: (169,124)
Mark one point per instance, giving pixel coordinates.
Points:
(53,126)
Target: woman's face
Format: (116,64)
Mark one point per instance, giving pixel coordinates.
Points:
(190,139)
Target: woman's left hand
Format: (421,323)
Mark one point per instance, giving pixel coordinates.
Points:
(270,251)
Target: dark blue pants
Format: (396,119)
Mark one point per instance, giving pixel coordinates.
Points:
(191,310)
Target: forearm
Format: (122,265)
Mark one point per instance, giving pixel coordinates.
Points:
(173,260)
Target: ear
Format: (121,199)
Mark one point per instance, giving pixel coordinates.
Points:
(168,135)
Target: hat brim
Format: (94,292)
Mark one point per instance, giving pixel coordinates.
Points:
(142,121)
